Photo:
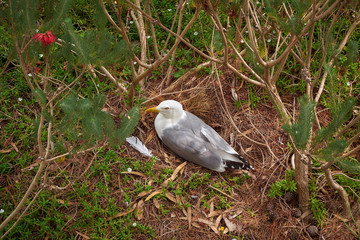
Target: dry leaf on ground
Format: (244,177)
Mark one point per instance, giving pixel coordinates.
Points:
(152,194)
(139,213)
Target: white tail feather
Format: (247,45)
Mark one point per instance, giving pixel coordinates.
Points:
(138,145)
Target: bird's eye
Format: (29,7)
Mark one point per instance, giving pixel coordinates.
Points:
(166,108)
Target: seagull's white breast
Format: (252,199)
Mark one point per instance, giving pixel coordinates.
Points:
(161,123)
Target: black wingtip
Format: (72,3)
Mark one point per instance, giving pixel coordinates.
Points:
(243,164)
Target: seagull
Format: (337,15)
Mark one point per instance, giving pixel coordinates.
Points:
(192,139)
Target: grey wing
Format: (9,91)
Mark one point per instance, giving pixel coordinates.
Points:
(193,148)
(210,135)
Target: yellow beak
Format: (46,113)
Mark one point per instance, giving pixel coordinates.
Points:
(152,110)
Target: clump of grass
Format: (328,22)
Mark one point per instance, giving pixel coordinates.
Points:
(279,188)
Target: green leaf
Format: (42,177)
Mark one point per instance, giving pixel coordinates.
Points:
(94,46)
(40,96)
(300,7)
(99,101)
(36,123)
(127,125)
(84,105)
(293,25)
(258,68)
(100,17)
(179,73)
(48,116)
(68,104)
(109,127)
(87,115)
(58,13)
(218,42)
(352,52)
(333,150)
(30,9)
(350,165)
(301,129)
(331,78)
(77,43)
(340,114)
(92,126)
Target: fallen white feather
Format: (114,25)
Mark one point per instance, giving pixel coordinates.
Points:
(138,145)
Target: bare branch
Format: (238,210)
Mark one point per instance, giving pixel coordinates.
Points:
(122,31)
(169,71)
(352,151)
(229,115)
(22,214)
(162,60)
(186,76)
(326,12)
(120,86)
(252,34)
(26,195)
(341,190)
(180,37)
(153,35)
(349,125)
(139,22)
(343,174)
(220,28)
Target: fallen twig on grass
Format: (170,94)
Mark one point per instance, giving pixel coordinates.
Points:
(22,214)
(227,195)
(25,197)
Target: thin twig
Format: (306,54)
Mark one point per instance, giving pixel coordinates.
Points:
(186,76)
(351,152)
(120,86)
(140,25)
(157,63)
(153,34)
(180,37)
(26,195)
(349,125)
(82,174)
(230,117)
(259,82)
(227,195)
(22,214)
(340,189)
(173,56)
(68,153)
(340,173)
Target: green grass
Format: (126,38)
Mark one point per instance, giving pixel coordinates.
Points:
(46,218)
(288,184)
(316,205)
(278,188)
(195,180)
(221,201)
(350,186)
(104,191)
(17,122)
(85,209)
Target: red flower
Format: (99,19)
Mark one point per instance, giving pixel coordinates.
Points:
(45,38)
(37,69)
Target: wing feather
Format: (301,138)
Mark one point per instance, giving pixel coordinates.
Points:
(193,148)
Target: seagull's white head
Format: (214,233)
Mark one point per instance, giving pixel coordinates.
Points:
(169,109)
